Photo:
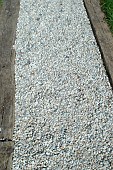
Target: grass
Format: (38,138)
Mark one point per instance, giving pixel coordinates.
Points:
(107,7)
(1,2)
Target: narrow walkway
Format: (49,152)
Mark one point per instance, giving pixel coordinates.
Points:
(64,102)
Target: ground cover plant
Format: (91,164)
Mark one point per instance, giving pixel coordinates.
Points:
(107,7)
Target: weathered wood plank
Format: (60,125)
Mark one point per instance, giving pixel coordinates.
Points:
(6,150)
(8,19)
(102,33)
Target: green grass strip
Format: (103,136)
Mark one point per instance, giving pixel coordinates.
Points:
(107,7)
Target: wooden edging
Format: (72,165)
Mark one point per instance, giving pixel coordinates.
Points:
(102,34)
(8,20)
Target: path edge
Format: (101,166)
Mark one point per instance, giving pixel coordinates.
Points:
(9,12)
(102,34)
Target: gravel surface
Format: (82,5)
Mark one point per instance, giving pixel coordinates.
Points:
(64,102)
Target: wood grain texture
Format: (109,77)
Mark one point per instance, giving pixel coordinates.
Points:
(102,34)
(8,20)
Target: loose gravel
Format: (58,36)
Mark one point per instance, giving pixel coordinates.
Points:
(64,102)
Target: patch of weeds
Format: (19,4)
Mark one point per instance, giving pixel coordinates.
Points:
(107,7)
